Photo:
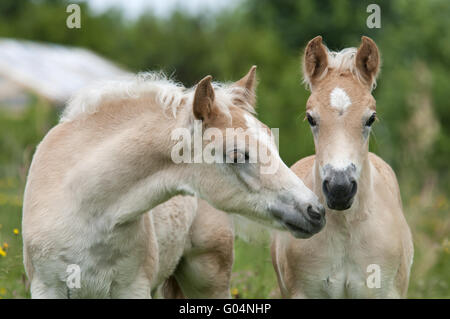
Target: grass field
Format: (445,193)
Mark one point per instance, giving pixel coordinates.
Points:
(426,209)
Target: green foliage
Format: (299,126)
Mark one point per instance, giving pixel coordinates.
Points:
(19,135)
(413,134)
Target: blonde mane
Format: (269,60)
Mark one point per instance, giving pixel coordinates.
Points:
(341,61)
(168,93)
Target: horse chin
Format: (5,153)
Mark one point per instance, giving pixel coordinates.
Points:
(339,206)
(298,232)
(295,230)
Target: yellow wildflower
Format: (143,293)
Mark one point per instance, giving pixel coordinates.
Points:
(5,245)
(2,252)
(441,202)
(16,231)
(234,291)
(446,245)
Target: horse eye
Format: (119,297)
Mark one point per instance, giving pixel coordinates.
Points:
(239,157)
(310,119)
(371,119)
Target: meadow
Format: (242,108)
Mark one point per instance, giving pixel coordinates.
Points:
(253,274)
(412,133)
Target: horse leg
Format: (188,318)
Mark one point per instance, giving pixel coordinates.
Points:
(171,289)
(206,275)
(139,288)
(205,269)
(39,290)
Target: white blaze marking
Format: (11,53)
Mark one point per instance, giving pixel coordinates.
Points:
(339,100)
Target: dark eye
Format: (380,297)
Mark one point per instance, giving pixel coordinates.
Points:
(239,157)
(310,119)
(371,119)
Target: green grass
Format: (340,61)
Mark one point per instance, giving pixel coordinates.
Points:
(12,276)
(426,209)
(253,275)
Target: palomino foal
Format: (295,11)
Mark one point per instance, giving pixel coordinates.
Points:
(365,250)
(110,160)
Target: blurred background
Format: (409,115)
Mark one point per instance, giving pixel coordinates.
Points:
(42,62)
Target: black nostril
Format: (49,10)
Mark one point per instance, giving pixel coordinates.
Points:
(314,214)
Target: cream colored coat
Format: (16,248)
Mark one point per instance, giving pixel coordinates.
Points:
(365,249)
(96,174)
(335,263)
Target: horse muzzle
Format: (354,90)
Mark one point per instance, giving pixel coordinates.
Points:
(339,187)
(302,221)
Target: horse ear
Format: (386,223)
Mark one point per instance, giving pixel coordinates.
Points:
(249,83)
(367,60)
(203,106)
(315,60)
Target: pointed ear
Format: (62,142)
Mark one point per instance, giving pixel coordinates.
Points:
(249,83)
(368,60)
(203,106)
(315,60)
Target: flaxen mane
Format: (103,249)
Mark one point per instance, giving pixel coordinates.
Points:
(342,61)
(168,93)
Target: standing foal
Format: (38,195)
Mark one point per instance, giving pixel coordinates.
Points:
(366,236)
(110,160)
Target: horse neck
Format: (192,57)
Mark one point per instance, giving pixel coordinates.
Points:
(164,122)
(139,147)
(365,189)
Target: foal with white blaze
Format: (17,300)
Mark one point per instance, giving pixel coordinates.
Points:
(365,222)
(109,161)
